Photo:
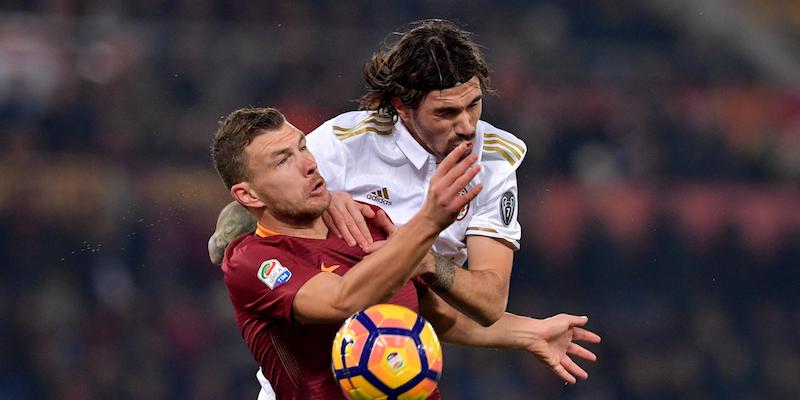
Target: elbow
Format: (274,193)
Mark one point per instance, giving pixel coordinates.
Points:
(344,306)
(495,310)
(489,317)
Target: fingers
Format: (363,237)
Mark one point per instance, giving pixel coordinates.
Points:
(384,222)
(452,158)
(361,233)
(562,372)
(579,351)
(339,221)
(329,223)
(585,335)
(458,177)
(450,182)
(367,211)
(573,368)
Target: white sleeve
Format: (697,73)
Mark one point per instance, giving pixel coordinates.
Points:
(330,154)
(496,213)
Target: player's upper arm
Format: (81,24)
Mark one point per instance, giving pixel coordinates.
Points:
(494,256)
(318,302)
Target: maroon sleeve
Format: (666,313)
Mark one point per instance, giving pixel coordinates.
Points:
(263,280)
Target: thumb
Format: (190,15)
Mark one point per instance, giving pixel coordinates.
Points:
(367,211)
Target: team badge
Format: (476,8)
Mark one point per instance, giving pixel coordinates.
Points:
(465,209)
(273,274)
(507,207)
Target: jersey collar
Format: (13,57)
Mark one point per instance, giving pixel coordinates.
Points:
(264,232)
(409,146)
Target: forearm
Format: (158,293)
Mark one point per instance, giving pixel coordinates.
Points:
(509,332)
(452,326)
(380,275)
(482,295)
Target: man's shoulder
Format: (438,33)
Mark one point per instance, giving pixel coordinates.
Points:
(250,250)
(354,126)
(501,150)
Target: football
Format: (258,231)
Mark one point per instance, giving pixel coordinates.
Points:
(386,352)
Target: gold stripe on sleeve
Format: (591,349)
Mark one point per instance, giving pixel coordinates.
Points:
(506,141)
(502,152)
(478,228)
(372,120)
(505,145)
(347,134)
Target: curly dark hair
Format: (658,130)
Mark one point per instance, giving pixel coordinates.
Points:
(236,132)
(434,54)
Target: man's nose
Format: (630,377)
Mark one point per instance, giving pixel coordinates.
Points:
(309,164)
(463,125)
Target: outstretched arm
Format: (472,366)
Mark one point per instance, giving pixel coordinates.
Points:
(234,220)
(551,340)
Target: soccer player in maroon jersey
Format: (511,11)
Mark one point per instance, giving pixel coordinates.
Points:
(292,283)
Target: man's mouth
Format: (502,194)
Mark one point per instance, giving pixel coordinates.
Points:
(317,187)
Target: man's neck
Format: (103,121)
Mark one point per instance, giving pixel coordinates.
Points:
(314,229)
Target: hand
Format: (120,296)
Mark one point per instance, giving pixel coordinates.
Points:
(454,173)
(384,223)
(234,220)
(556,341)
(345,218)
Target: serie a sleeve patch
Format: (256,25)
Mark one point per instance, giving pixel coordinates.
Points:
(273,273)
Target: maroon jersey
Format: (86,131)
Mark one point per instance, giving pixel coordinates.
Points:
(263,274)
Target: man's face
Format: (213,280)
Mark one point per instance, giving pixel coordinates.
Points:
(284,175)
(446,118)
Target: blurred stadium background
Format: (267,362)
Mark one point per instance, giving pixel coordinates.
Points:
(660,194)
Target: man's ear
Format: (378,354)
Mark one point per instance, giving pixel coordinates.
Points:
(403,111)
(246,196)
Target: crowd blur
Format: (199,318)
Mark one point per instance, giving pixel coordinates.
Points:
(660,194)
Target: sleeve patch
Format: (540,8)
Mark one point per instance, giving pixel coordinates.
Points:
(273,273)
(507,207)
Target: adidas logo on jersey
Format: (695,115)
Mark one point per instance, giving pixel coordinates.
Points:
(380,196)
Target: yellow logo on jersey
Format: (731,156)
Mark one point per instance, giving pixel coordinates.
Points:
(328,269)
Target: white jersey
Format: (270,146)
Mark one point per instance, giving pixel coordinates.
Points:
(377,161)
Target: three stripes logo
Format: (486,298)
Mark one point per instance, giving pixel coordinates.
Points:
(374,124)
(380,196)
(510,151)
